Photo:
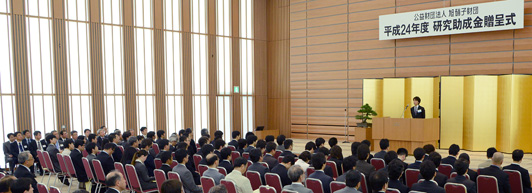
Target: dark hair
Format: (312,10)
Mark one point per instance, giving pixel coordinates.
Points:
(86,130)
(104,142)
(367,142)
(270,146)
(319,141)
(378,180)
(78,142)
(318,160)
(333,141)
(419,153)
(211,159)
(34,133)
(126,135)
(21,185)
(240,161)
(220,188)
(180,155)
(16,133)
(310,146)
(5,184)
(461,166)
(416,98)
(362,152)
(251,139)
(81,137)
(352,178)
(111,180)
(183,138)
(384,144)
(111,137)
(150,134)
(110,146)
(269,138)
(181,132)
(90,147)
(162,143)
(219,134)
(490,152)
(336,152)
(287,143)
(254,155)
(349,162)
(142,129)
(91,136)
(138,154)
(261,144)
(454,149)
(9,134)
(62,132)
(429,148)
(242,143)
(235,134)
(225,153)
(354,148)
(390,156)
(464,156)
(165,156)
(67,142)
(202,141)
(280,139)
(25,131)
(140,138)
(248,134)
(171,186)
(145,143)
(517,155)
(395,169)
(305,156)
(71,133)
(49,138)
(182,145)
(427,169)
(289,159)
(160,133)
(206,150)
(402,151)
(436,158)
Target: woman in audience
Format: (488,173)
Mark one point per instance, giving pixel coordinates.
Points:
(337,157)
(146,182)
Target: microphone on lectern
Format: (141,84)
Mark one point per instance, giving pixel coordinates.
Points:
(403,115)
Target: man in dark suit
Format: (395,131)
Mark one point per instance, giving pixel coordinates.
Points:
(384,144)
(362,165)
(282,169)
(18,147)
(472,174)
(255,156)
(115,139)
(252,141)
(419,154)
(116,182)
(517,156)
(348,164)
(318,161)
(32,147)
(101,135)
(76,157)
(395,171)
(417,111)
(218,145)
(7,152)
(352,182)
(288,146)
(225,154)
(461,167)
(495,170)
(187,179)
(23,171)
(453,154)
(236,136)
(166,158)
(378,181)
(106,159)
(268,157)
(440,178)
(428,171)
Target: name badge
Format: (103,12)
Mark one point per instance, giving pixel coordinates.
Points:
(60,145)
(419,111)
(44,146)
(25,147)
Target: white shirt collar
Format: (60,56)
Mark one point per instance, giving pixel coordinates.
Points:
(25,167)
(297,183)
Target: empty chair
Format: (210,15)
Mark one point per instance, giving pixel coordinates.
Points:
(70,170)
(487,184)
(234,155)
(54,190)
(392,190)
(49,165)
(99,174)
(202,168)
(310,170)
(197,158)
(445,169)
(267,189)
(120,168)
(516,184)
(230,185)
(160,177)
(207,183)
(42,188)
(158,163)
(254,179)
(174,176)
(314,185)
(455,188)
(378,163)
(273,179)
(335,185)
(134,180)
(61,161)
(222,171)
(332,164)
(411,176)
(88,169)
(155,147)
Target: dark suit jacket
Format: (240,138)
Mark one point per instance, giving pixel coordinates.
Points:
(108,164)
(365,168)
(449,160)
(44,144)
(227,165)
(427,186)
(283,173)
(440,178)
(166,168)
(338,165)
(270,160)
(233,143)
(502,178)
(415,165)
(109,190)
(99,141)
(418,114)
(146,182)
(398,185)
(470,185)
(259,168)
(76,157)
(218,154)
(53,151)
(325,180)
(117,155)
(15,150)
(249,148)
(150,164)
(380,154)
(287,152)
(525,177)
(23,172)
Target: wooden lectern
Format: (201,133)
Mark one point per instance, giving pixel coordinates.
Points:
(407,133)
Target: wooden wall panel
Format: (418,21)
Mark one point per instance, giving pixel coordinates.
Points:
(20,70)
(60,66)
(129,66)
(95,31)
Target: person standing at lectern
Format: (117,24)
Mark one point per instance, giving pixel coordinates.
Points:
(417,111)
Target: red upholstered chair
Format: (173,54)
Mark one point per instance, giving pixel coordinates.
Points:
(61,161)
(207,183)
(254,179)
(392,190)
(249,164)
(378,163)
(2,175)
(197,146)
(202,168)
(121,148)
(267,189)
(120,168)
(70,170)
(174,163)
(158,163)
(314,185)
(332,164)
(273,180)
(264,164)
(160,177)
(363,183)
(231,147)
(230,185)
(234,155)
(174,176)
(245,155)
(134,180)
(54,190)
(42,188)
(455,188)
(280,159)
(197,158)
(87,168)
(85,153)
(99,174)
(277,153)
(411,177)
(487,184)
(155,148)
(454,174)
(222,171)
(335,185)
(445,169)
(515,181)
(310,170)
(49,165)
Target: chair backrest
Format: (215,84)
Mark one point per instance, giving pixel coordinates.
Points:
(234,155)
(85,153)
(411,177)
(98,171)
(121,148)
(455,188)
(277,153)
(158,163)
(120,168)
(273,179)
(87,167)
(54,190)
(69,166)
(61,161)
(48,161)
(198,146)
(2,174)
(487,184)
(249,164)
(264,164)
(160,177)
(197,158)
(231,147)
(174,176)
(230,185)
(245,155)
(267,189)
(280,159)
(378,163)
(155,148)
(133,178)
(314,185)
(42,188)
(363,183)
(222,171)
(445,169)
(207,183)
(392,190)
(516,184)
(454,174)
(336,185)
(202,168)
(332,164)
(41,159)
(254,179)
(174,163)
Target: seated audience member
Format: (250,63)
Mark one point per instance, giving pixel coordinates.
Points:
(440,178)
(384,144)
(328,170)
(146,182)
(218,189)
(117,154)
(206,150)
(348,164)
(69,146)
(378,181)
(303,161)
(495,170)
(389,157)
(164,145)
(280,141)
(166,159)
(5,183)
(226,160)
(116,182)
(236,136)
(26,160)
(310,147)
(318,161)
(256,157)
(252,141)
(242,145)
(203,141)
(238,175)
(151,135)
(472,174)
(333,142)
(453,155)
(368,143)
(22,185)
(76,155)
(171,186)
(419,154)
(212,162)
(269,156)
(362,165)
(218,135)
(352,182)
(428,171)
(428,148)
(288,146)
(106,159)
(127,156)
(337,157)
(395,171)
(461,166)
(354,148)
(402,153)
(218,145)
(517,157)
(146,144)
(297,176)
(320,142)
(261,144)
(189,185)
(282,169)
(488,162)
(173,143)
(269,138)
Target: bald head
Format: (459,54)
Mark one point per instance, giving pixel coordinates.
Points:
(497,159)
(212,160)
